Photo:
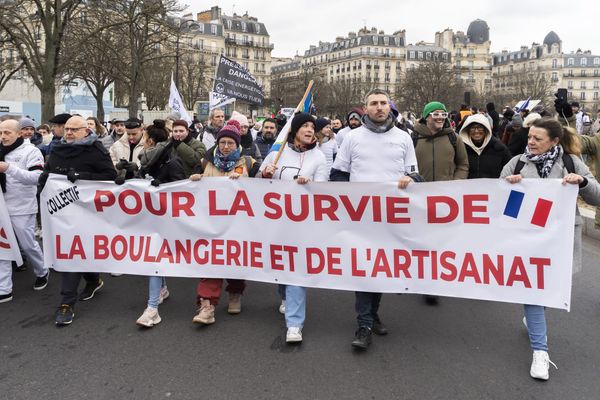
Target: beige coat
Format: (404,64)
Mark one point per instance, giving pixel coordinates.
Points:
(120,149)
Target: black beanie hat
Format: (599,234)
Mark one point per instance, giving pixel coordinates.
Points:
(299,120)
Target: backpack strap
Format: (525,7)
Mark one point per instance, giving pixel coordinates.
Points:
(568,162)
(518,167)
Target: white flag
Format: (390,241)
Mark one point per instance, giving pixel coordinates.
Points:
(177,105)
(9,248)
(218,100)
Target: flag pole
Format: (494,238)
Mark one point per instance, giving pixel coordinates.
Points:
(306,93)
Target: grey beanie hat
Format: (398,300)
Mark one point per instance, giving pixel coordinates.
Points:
(26,123)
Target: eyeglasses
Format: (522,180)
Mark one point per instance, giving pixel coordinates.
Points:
(227,144)
(477,128)
(439,114)
(75,129)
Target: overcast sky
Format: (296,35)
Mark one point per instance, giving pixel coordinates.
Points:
(294,25)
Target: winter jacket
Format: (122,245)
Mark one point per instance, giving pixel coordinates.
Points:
(590,192)
(436,157)
(241,167)
(25,167)
(209,136)
(249,148)
(90,160)
(264,146)
(190,151)
(162,164)
(590,145)
(121,150)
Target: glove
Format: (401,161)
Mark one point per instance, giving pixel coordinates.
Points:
(563,108)
(176,143)
(121,164)
(120,180)
(155,182)
(72,175)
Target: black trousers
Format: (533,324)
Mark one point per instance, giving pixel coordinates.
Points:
(70,284)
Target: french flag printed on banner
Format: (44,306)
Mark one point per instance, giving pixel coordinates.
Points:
(540,213)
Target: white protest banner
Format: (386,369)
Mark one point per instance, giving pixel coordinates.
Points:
(9,248)
(480,239)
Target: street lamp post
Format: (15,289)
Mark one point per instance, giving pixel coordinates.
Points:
(181,25)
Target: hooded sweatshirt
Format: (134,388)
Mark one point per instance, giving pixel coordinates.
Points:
(488,159)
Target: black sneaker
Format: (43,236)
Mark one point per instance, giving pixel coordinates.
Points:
(90,289)
(64,315)
(362,338)
(379,328)
(432,300)
(4,298)
(41,281)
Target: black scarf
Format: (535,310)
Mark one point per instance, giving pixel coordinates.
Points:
(4,150)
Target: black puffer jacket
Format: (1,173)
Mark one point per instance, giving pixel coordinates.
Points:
(91,161)
(491,161)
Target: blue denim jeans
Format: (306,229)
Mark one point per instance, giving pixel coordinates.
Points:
(367,306)
(295,305)
(155,283)
(536,327)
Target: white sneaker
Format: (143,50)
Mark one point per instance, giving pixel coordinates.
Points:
(149,318)
(293,335)
(282,307)
(164,294)
(540,365)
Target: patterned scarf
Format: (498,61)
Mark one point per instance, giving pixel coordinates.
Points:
(545,161)
(226,163)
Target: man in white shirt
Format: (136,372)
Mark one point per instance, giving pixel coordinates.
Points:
(377,151)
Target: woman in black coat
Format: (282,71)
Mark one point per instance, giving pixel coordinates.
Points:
(487,154)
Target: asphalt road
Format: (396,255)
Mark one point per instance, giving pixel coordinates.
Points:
(461,349)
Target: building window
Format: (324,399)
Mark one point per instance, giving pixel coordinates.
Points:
(595,95)
(583,72)
(570,84)
(584,61)
(555,63)
(582,96)
(213,29)
(582,85)
(554,77)
(420,55)
(596,85)
(596,60)
(570,61)
(411,54)
(471,52)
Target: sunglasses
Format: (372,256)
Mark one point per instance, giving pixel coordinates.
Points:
(439,114)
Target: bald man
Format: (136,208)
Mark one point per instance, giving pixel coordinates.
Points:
(79,155)
(21,164)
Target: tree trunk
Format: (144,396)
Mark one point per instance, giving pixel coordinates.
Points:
(48,93)
(100,103)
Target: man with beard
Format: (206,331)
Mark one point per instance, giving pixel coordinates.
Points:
(354,121)
(377,151)
(266,137)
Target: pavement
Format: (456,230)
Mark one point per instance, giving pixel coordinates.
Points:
(460,349)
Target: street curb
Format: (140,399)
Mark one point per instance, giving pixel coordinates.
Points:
(588,227)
